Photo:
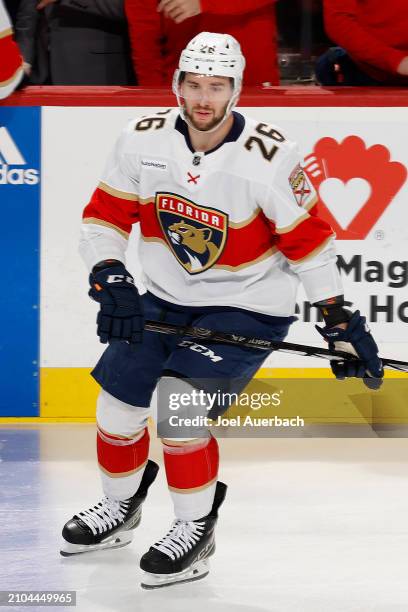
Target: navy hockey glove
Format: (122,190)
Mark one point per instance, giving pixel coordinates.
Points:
(120,316)
(368,366)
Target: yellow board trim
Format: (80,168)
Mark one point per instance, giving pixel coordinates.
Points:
(69,394)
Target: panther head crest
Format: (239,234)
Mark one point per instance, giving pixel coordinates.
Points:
(196,243)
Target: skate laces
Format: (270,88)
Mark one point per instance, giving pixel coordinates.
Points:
(105,515)
(180,538)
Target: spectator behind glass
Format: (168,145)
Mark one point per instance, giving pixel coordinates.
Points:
(159,31)
(373,39)
(11,62)
(11,8)
(67,42)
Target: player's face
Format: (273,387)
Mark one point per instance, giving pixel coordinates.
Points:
(205,99)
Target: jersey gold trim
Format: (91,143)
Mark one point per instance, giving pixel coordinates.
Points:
(266,255)
(154,239)
(6,32)
(96,221)
(13,78)
(288,228)
(314,252)
(124,195)
(311,203)
(235,225)
(143,201)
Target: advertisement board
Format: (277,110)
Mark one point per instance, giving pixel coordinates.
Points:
(356,160)
(20,171)
(355,157)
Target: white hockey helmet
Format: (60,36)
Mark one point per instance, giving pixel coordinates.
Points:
(211,54)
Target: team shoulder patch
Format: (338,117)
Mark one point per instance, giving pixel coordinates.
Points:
(299,185)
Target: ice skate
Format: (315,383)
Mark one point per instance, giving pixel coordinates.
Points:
(183,554)
(110,523)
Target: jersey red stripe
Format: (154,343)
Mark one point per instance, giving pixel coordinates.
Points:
(112,209)
(149,223)
(303,239)
(244,244)
(11,59)
(248,243)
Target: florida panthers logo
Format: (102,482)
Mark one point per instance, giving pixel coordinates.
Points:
(196,235)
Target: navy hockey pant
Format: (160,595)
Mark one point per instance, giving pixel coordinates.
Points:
(132,375)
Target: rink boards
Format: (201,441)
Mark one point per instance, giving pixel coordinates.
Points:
(50,161)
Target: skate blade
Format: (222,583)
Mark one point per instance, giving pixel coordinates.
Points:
(117,540)
(157,581)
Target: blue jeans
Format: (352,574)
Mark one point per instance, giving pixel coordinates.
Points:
(335,67)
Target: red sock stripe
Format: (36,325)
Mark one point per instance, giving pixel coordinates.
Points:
(192,469)
(115,457)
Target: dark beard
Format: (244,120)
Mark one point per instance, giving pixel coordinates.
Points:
(213,123)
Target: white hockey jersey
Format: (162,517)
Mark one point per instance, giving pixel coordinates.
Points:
(11,62)
(235,226)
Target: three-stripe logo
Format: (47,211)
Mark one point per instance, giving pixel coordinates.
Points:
(10,155)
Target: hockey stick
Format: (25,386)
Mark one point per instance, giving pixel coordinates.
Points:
(200,333)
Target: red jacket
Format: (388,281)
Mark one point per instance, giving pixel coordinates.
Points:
(373,32)
(157,42)
(11,61)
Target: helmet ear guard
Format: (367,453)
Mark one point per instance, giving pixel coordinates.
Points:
(211,54)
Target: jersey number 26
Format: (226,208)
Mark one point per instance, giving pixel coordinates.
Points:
(265,130)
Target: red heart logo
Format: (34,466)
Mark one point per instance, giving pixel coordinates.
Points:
(345,162)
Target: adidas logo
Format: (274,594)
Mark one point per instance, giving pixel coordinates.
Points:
(10,155)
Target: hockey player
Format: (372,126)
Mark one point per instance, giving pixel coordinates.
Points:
(228,229)
(11,63)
